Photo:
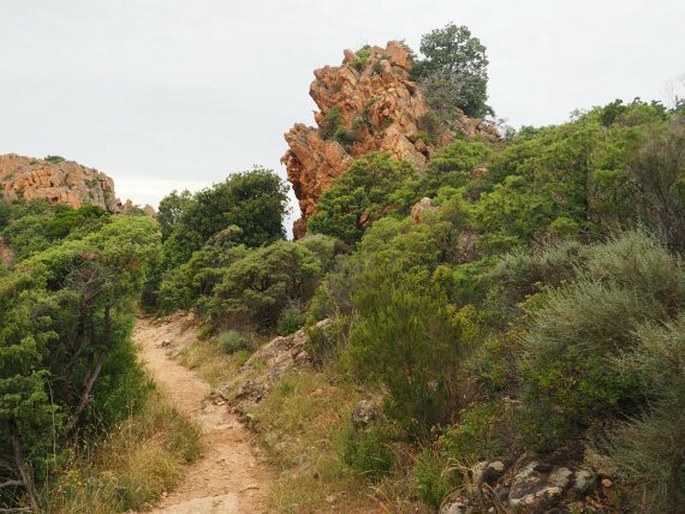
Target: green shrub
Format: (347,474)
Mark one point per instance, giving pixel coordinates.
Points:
(429,124)
(362,58)
(484,431)
(242,356)
(363,194)
(516,275)
(410,342)
(256,289)
(569,371)
(205,332)
(453,164)
(325,344)
(368,450)
(290,321)
(334,128)
(650,450)
(233,341)
(433,478)
(333,296)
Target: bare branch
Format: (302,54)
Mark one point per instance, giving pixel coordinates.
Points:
(10,483)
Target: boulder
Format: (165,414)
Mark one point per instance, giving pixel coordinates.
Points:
(538,487)
(420,207)
(267,365)
(364,413)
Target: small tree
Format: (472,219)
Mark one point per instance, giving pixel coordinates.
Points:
(658,170)
(454,71)
(258,287)
(371,188)
(410,341)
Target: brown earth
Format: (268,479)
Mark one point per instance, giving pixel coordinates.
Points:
(230,477)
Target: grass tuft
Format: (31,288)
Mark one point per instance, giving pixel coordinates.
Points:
(143,457)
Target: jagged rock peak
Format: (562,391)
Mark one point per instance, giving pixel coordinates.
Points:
(366,104)
(58,181)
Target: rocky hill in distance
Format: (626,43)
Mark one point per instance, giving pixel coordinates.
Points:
(58,181)
(366,104)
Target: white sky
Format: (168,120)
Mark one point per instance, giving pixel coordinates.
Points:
(164,94)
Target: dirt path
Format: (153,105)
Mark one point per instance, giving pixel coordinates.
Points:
(229,477)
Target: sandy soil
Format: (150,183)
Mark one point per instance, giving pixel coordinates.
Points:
(229,477)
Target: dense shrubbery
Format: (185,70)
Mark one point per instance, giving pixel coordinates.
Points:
(206,231)
(253,201)
(583,327)
(411,343)
(32,227)
(544,272)
(68,366)
(371,188)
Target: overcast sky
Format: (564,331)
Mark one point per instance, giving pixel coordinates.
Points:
(165,94)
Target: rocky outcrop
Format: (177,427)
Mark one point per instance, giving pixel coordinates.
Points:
(6,254)
(420,208)
(266,366)
(529,485)
(366,104)
(364,413)
(57,181)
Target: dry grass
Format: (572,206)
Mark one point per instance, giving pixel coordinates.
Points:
(300,423)
(142,458)
(211,362)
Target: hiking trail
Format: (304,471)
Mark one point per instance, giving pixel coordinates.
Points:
(229,477)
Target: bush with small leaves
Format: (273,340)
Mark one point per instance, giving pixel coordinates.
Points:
(570,375)
(232,341)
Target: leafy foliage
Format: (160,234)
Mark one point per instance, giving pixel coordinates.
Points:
(453,74)
(361,195)
(259,287)
(66,362)
(571,343)
(650,450)
(411,343)
(254,201)
(34,226)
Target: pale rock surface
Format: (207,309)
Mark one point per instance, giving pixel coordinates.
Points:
(420,207)
(266,366)
(6,254)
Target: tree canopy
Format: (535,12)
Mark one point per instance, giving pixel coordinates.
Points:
(453,72)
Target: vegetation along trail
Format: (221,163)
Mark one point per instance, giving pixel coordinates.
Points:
(229,476)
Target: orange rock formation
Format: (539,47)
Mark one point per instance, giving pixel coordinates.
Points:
(373,101)
(65,182)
